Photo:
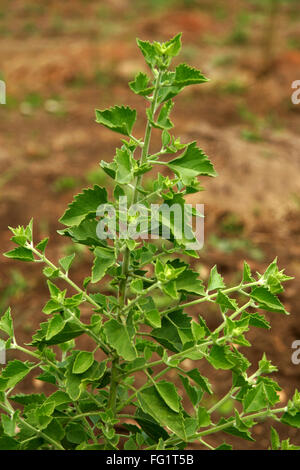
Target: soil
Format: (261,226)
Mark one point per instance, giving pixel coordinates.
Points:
(62,60)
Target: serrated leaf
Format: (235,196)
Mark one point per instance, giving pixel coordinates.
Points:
(215,280)
(84,204)
(247,276)
(20,253)
(175,331)
(140,85)
(267,300)
(218,357)
(152,404)
(104,259)
(186,75)
(203,382)
(193,394)
(117,118)
(259,397)
(55,325)
(291,419)
(275,441)
(125,166)
(168,393)
(192,163)
(225,302)
(149,52)
(13,373)
(118,337)
(6,323)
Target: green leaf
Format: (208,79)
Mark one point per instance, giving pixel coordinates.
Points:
(33,398)
(125,166)
(173,46)
(84,204)
(42,245)
(203,382)
(55,325)
(175,331)
(118,337)
(256,320)
(163,121)
(9,423)
(73,383)
(149,52)
(215,280)
(8,443)
(117,118)
(275,441)
(291,419)
(225,302)
(13,373)
(104,259)
(151,313)
(71,330)
(83,362)
(152,404)
(247,276)
(140,85)
(218,357)
(150,426)
(168,393)
(76,433)
(203,417)
(192,163)
(66,262)
(259,397)
(267,300)
(186,75)
(6,323)
(193,394)
(265,366)
(55,430)
(20,253)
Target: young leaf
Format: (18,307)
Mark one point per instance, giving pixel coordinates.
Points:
(66,262)
(117,118)
(20,253)
(192,163)
(186,75)
(267,300)
(140,85)
(6,323)
(215,280)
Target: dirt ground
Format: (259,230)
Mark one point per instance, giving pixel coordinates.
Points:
(61,60)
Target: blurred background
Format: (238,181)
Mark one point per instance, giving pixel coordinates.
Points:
(60,60)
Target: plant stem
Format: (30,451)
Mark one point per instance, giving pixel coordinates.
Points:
(113,386)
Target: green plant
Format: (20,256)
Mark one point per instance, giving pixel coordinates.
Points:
(96,389)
